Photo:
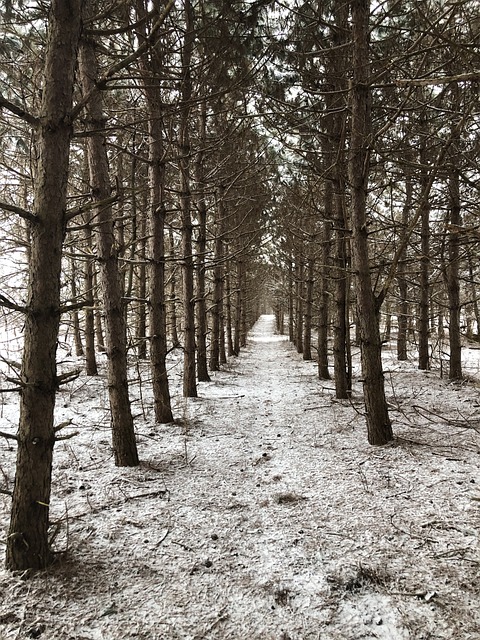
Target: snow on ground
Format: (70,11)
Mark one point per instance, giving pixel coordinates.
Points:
(262,515)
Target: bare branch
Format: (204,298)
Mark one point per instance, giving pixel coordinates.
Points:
(425,82)
(8,436)
(78,305)
(5,302)
(18,111)
(91,205)
(23,213)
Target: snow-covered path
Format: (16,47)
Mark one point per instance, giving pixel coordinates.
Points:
(262,515)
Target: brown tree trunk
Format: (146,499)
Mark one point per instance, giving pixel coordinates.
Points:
(123,432)
(323,313)
(424,293)
(335,146)
(378,422)
(189,349)
(150,66)
(90,293)
(217,304)
(307,330)
(27,540)
(299,301)
(453,268)
(238,308)
(141,328)
(202,326)
(172,281)
(228,312)
(340,320)
(402,313)
(77,335)
(291,318)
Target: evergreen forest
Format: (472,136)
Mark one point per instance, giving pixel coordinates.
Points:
(188,183)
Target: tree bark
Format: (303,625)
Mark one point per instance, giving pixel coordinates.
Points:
(424,293)
(402,313)
(90,358)
(378,422)
(453,268)
(217,303)
(150,67)
(307,329)
(27,540)
(202,326)
(189,347)
(324,306)
(123,432)
(335,144)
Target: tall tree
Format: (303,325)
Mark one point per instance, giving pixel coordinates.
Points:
(378,422)
(27,540)
(150,69)
(123,432)
(188,270)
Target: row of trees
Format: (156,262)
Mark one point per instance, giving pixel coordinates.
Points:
(139,184)
(380,208)
(170,166)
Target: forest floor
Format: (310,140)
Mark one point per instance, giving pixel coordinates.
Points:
(263,514)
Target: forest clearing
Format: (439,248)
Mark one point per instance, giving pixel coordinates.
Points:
(263,514)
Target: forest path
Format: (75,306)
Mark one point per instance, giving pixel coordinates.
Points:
(262,515)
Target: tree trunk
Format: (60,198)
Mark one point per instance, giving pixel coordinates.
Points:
(238,308)
(202,326)
(217,304)
(299,270)
(340,323)
(141,328)
(150,68)
(228,312)
(27,540)
(77,335)
(123,432)
(90,358)
(172,281)
(307,330)
(291,327)
(189,350)
(424,293)
(453,268)
(323,314)
(402,314)
(378,422)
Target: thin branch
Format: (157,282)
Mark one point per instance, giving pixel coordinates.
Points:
(5,302)
(67,437)
(23,213)
(8,436)
(69,376)
(18,111)
(425,82)
(78,305)
(72,213)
